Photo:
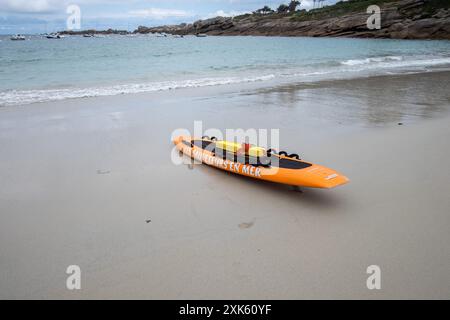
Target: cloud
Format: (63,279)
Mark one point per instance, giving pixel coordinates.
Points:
(158,13)
(222,13)
(50,6)
(27,6)
(306,4)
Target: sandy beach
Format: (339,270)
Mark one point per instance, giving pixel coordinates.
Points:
(90,182)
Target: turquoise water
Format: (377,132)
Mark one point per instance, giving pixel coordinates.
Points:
(40,69)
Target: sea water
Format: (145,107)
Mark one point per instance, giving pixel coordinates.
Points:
(41,69)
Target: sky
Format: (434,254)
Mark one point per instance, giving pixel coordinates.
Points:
(44,16)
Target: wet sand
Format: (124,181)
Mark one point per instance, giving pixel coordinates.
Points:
(90,182)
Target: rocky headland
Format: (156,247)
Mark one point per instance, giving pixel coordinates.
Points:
(404,19)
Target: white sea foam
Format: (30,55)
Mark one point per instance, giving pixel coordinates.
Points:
(422,62)
(392,62)
(355,62)
(371,67)
(20,97)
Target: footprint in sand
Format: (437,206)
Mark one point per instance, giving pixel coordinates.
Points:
(246,225)
(103,171)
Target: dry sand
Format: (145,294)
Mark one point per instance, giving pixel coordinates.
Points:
(81,178)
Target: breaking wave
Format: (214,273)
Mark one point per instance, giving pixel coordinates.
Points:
(391,62)
(356,62)
(20,97)
(333,70)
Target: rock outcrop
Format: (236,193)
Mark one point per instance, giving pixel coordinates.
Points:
(404,19)
(93,31)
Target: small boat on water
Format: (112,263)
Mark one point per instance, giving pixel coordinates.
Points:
(88,35)
(18,37)
(54,36)
(201,35)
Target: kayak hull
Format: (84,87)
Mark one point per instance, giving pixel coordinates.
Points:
(313,176)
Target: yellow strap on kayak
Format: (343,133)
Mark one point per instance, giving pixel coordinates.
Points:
(228,145)
(256,152)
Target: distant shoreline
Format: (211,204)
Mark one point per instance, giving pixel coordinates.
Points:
(400,19)
(404,19)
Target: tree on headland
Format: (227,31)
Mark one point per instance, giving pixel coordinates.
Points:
(293,5)
(264,10)
(283,8)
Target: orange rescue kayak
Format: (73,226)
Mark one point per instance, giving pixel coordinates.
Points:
(258,163)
